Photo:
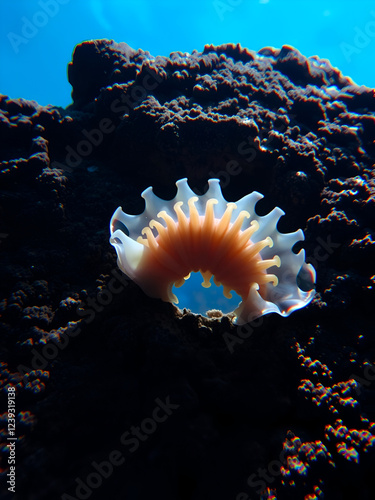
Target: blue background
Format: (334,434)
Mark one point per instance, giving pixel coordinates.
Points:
(36,67)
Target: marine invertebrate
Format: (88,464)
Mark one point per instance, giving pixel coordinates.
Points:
(227,241)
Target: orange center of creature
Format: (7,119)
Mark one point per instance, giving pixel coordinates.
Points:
(214,247)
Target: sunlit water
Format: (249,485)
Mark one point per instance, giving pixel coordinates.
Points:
(38,36)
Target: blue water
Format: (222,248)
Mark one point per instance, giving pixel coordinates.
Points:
(37,37)
(200,300)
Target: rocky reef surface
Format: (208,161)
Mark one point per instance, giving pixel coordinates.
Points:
(122,396)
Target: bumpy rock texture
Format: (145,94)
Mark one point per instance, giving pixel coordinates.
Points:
(284,406)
